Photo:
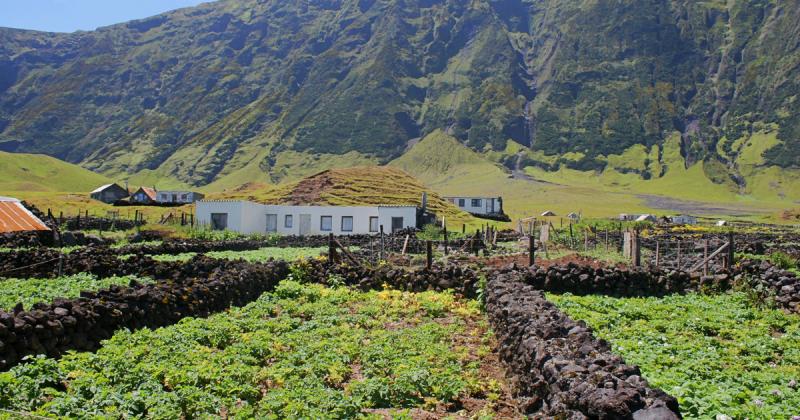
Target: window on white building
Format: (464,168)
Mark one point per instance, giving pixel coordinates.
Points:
(462,202)
(287,221)
(219,221)
(272,223)
(373,224)
(477,202)
(397,224)
(326,223)
(347,223)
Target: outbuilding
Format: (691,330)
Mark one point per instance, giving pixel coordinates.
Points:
(479,206)
(109,193)
(178,197)
(684,219)
(144,195)
(249,217)
(14,217)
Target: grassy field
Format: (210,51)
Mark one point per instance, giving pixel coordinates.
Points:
(30,291)
(450,168)
(304,351)
(716,354)
(28,173)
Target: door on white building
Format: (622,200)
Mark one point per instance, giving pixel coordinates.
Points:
(305,224)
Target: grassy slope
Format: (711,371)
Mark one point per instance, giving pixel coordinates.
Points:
(450,168)
(28,172)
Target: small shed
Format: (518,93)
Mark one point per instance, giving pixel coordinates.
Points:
(109,193)
(722,223)
(144,195)
(14,217)
(684,219)
(575,217)
(548,213)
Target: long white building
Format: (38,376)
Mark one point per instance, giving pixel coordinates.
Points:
(248,217)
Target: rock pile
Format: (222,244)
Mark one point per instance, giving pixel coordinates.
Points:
(783,284)
(558,367)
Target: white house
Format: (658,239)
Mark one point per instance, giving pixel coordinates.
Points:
(248,217)
(182,197)
(478,205)
(684,219)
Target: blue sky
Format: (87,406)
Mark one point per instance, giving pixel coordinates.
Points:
(72,15)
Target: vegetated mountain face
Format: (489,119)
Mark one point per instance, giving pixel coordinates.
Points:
(198,93)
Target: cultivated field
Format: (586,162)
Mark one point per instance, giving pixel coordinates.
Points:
(270,327)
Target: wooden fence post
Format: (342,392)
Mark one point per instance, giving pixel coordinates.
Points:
(680,263)
(446,243)
(383,246)
(606,240)
(658,254)
(531,251)
(705,258)
(331,249)
(637,252)
(731,250)
(429,251)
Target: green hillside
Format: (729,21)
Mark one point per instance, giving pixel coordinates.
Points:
(40,173)
(451,168)
(271,90)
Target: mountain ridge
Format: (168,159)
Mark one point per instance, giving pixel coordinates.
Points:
(237,89)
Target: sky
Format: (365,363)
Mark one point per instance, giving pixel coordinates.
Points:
(73,15)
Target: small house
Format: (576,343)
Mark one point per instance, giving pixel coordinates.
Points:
(109,193)
(248,217)
(575,217)
(479,206)
(548,213)
(14,217)
(144,195)
(684,219)
(722,223)
(178,197)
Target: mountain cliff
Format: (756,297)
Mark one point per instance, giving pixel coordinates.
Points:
(278,87)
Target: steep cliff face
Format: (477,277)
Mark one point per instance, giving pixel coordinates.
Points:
(200,92)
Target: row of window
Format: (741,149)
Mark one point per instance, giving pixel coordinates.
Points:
(219,221)
(325,223)
(475,202)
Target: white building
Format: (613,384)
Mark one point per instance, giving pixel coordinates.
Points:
(182,197)
(684,219)
(478,205)
(248,217)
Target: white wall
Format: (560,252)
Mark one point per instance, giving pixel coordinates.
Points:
(247,217)
(484,208)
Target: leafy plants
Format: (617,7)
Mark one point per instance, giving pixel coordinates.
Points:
(717,354)
(303,351)
(30,291)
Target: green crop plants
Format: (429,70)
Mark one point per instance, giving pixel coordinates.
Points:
(262,254)
(716,354)
(30,291)
(303,351)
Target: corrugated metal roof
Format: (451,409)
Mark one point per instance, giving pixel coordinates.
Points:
(16,218)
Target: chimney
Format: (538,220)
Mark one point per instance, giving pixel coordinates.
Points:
(424,201)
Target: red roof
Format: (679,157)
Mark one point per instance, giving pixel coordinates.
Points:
(16,218)
(150,192)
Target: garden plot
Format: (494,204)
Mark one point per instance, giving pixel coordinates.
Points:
(301,351)
(28,292)
(262,254)
(716,354)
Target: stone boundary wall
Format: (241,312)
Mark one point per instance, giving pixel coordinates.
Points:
(557,366)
